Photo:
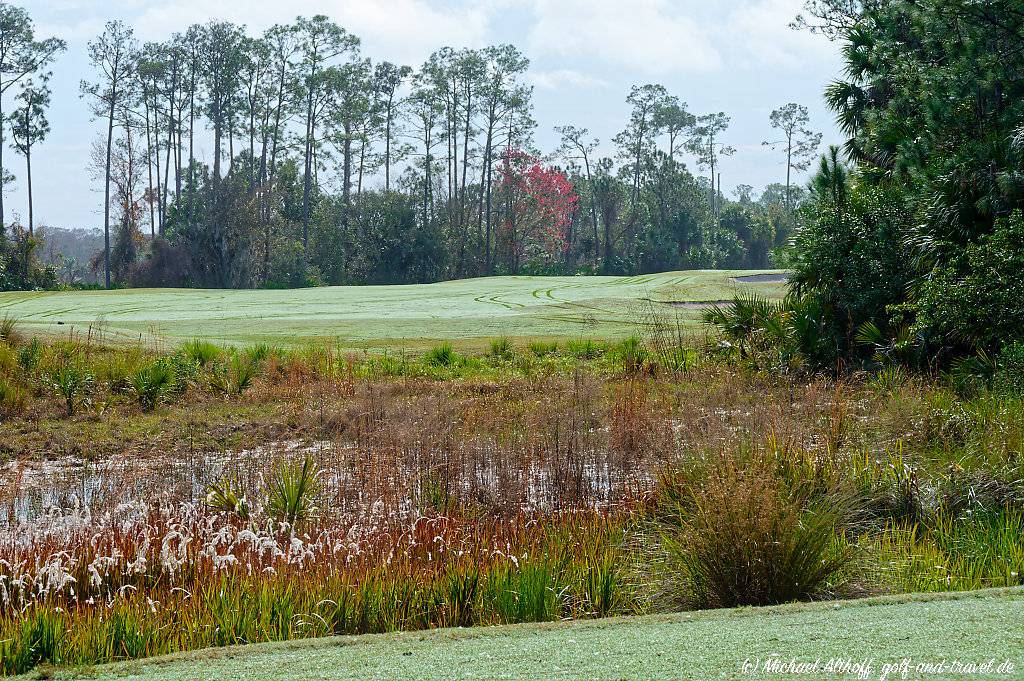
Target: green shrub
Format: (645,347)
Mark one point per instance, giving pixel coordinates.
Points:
(850,262)
(243,369)
(974,300)
(1009,374)
(185,371)
(237,375)
(969,375)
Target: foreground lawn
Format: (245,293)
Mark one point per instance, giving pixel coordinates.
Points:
(969,628)
(375,316)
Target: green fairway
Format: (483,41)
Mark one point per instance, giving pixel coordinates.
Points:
(374,316)
(972,628)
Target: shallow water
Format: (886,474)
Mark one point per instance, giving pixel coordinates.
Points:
(351,478)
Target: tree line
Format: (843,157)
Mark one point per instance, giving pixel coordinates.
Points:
(290,159)
(910,248)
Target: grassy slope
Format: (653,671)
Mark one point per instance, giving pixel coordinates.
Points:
(971,627)
(542,307)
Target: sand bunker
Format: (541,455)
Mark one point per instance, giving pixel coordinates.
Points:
(762,279)
(697,304)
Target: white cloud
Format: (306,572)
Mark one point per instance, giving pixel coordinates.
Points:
(653,36)
(399,30)
(761,35)
(562,78)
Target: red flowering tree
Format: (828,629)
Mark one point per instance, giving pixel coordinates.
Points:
(539,203)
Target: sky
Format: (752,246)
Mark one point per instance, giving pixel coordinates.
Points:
(737,56)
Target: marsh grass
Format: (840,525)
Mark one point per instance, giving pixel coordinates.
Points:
(12,399)
(585,349)
(543,348)
(950,553)
(279,587)
(29,356)
(398,491)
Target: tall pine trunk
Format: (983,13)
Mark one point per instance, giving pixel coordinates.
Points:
(307,182)
(1,165)
(28,171)
(106,191)
(149,170)
(387,143)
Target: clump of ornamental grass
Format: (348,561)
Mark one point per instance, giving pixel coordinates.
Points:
(742,530)
(201,352)
(502,348)
(443,355)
